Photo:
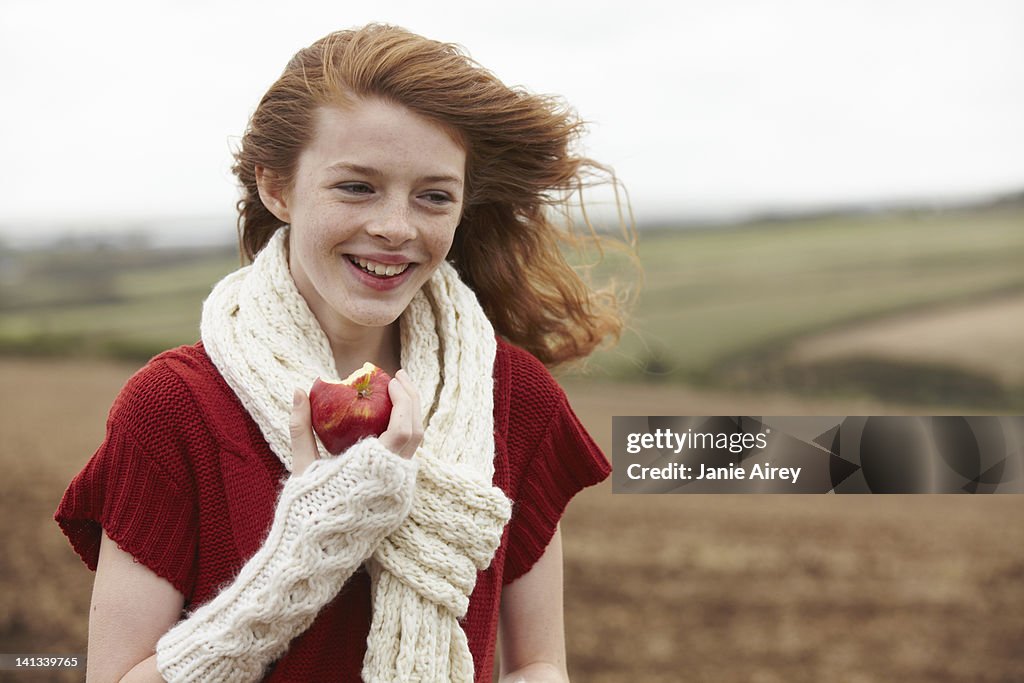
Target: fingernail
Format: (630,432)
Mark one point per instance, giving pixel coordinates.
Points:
(297,398)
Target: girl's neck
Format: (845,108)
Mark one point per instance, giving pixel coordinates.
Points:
(378,345)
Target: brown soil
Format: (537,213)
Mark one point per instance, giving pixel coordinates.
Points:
(658,588)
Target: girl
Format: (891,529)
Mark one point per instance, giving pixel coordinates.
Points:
(395,210)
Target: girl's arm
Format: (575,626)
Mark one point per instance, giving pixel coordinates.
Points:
(131,608)
(531,627)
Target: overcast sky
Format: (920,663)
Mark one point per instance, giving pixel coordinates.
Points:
(116,111)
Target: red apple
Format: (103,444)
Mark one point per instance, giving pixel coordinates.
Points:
(356,407)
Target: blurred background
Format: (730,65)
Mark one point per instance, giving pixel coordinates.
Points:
(829,200)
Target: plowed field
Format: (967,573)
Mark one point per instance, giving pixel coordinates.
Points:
(658,588)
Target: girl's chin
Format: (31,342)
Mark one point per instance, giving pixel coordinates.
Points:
(378,316)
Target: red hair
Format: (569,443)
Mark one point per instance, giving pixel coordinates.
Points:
(519,166)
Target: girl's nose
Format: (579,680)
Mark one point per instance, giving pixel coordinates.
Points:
(394,223)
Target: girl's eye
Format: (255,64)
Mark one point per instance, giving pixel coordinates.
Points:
(356,188)
(437,197)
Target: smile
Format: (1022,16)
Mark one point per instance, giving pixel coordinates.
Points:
(378,269)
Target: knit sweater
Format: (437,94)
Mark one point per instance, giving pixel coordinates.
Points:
(185,482)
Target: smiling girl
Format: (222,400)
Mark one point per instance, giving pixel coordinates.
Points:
(396,210)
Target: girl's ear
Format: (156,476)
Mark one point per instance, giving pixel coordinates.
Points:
(273,194)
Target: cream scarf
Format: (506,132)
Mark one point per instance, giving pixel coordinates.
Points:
(265,341)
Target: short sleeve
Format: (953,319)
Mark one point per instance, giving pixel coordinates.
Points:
(137,485)
(564,461)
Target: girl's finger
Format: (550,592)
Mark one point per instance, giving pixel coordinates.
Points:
(304,450)
(405,428)
(414,394)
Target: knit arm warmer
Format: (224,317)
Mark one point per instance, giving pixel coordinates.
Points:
(328,520)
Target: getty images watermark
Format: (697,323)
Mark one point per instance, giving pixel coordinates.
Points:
(853,454)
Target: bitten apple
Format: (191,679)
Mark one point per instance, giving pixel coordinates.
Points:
(356,407)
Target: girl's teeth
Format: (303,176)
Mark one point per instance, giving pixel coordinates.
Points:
(379,268)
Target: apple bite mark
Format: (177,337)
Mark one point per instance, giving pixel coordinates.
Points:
(356,407)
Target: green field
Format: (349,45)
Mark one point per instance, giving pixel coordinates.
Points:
(721,307)
(718,307)
(128,304)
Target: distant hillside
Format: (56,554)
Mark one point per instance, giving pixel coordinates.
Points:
(910,208)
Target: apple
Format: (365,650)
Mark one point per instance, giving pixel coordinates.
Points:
(356,407)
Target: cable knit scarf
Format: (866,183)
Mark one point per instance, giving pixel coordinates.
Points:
(265,341)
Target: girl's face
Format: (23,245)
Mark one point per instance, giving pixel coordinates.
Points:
(377,195)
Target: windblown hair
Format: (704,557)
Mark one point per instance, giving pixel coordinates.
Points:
(520,170)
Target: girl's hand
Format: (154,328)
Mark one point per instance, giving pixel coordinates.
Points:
(403,435)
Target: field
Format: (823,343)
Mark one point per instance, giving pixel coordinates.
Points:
(936,337)
(725,308)
(921,589)
(908,313)
(98,301)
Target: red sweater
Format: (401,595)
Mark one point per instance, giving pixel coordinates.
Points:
(186,483)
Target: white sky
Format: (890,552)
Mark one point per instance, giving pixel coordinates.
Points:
(118,111)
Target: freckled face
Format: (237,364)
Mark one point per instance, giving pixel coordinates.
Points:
(373,209)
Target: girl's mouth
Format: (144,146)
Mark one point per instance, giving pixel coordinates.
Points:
(380,270)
